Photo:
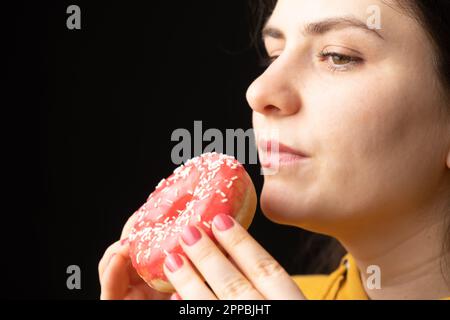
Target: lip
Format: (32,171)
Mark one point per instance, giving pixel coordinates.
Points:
(284,156)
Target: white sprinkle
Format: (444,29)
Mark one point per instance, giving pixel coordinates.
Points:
(166,252)
(137,256)
(204,197)
(166,219)
(159,217)
(160,183)
(176,192)
(214,173)
(224,200)
(156,205)
(169,201)
(234,178)
(229,184)
(190,192)
(199,218)
(206,224)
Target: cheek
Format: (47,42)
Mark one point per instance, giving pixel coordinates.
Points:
(372,144)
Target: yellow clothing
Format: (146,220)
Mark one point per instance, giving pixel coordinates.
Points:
(343,284)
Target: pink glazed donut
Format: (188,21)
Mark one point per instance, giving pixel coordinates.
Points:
(194,194)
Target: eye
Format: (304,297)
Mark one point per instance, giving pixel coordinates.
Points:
(339,62)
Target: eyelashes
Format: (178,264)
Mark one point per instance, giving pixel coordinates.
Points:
(335,61)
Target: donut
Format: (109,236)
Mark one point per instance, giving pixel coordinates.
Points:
(193,194)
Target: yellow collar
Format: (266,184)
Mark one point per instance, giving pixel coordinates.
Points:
(345,282)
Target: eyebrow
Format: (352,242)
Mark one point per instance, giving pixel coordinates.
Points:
(321,27)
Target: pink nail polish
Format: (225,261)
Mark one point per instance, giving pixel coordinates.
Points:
(175,296)
(173,262)
(223,222)
(191,235)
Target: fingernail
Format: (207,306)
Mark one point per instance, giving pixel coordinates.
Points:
(175,296)
(191,235)
(223,222)
(173,262)
(123,241)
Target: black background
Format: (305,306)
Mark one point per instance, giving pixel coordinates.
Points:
(88,125)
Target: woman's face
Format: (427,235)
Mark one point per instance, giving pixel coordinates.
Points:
(371,122)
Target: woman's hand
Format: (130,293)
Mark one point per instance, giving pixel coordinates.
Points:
(253,274)
(118,278)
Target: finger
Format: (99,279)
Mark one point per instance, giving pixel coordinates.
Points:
(128,226)
(114,248)
(263,271)
(222,276)
(104,261)
(119,247)
(185,279)
(115,279)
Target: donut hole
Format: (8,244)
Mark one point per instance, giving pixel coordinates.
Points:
(178,205)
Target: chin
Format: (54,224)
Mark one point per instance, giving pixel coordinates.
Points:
(279,206)
(288,208)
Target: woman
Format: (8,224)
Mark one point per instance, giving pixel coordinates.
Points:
(359,91)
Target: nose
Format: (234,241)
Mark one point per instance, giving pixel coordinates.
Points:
(275,92)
